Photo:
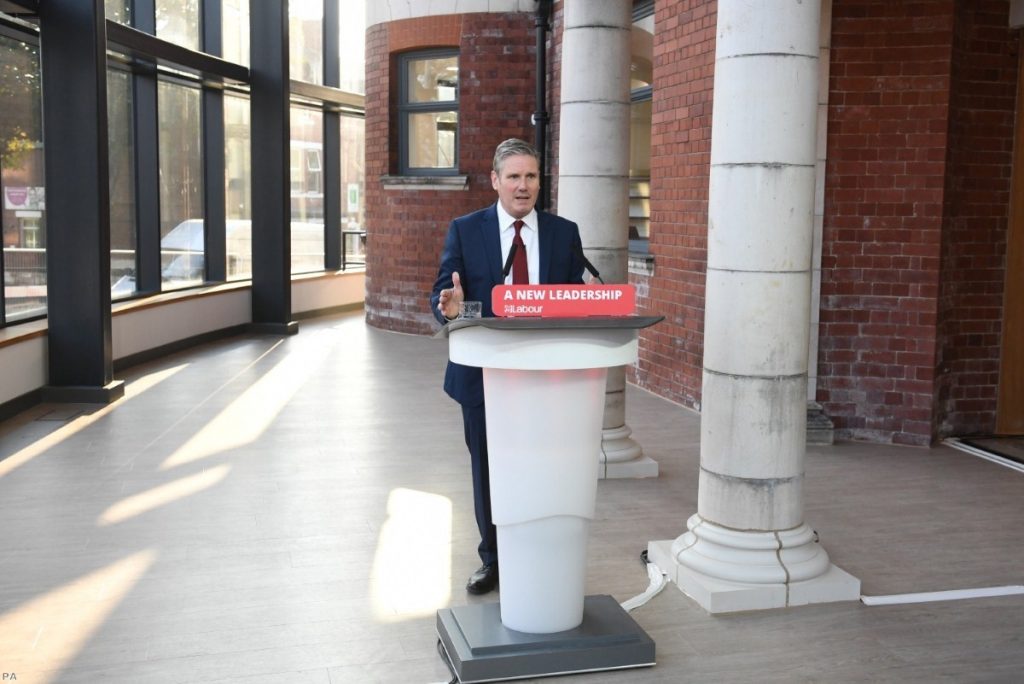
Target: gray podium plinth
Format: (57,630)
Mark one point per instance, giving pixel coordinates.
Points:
(544,385)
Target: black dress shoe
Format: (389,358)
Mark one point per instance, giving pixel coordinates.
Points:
(483,580)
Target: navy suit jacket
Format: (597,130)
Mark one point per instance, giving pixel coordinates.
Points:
(473,248)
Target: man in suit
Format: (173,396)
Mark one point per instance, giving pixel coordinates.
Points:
(475,249)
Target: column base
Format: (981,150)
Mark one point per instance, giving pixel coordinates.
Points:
(621,457)
(77,394)
(727,570)
(289,328)
(820,429)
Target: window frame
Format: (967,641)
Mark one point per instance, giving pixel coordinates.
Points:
(133,47)
(17,29)
(641,10)
(404,109)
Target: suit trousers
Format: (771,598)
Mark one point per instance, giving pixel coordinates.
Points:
(474,422)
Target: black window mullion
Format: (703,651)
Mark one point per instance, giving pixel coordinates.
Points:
(331,41)
(147,182)
(212,28)
(215,212)
(144,15)
(333,243)
(214,224)
(147,159)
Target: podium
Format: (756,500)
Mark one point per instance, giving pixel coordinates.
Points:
(544,387)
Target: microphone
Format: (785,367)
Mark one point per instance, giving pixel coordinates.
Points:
(578,249)
(508,262)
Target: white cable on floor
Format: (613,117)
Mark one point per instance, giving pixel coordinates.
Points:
(951,595)
(981,453)
(658,582)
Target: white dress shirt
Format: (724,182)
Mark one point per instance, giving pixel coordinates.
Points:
(529,234)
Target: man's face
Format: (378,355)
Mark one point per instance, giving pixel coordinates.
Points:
(518,184)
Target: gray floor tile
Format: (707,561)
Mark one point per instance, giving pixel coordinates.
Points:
(264,554)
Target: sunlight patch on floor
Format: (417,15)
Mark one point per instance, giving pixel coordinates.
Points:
(41,637)
(157,497)
(246,418)
(79,423)
(412,567)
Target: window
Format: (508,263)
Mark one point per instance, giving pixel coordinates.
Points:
(305,40)
(177,21)
(238,186)
(163,146)
(22,181)
(428,111)
(307,195)
(119,11)
(120,146)
(182,243)
(235,31)
(641,80)
(353,202)
(352,52)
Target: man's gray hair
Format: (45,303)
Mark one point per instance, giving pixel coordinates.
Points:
(511,148)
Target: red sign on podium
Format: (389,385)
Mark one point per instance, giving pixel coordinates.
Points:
(563,301)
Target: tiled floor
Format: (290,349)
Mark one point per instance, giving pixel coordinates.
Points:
(296,509)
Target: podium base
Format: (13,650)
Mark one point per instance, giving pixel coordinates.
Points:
(481,649)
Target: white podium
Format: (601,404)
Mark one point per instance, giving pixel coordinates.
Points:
(544,387)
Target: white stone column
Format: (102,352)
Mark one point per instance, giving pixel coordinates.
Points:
(819,427)
(593,179)
(748,547)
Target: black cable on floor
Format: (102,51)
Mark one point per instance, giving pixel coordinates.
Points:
(444,657)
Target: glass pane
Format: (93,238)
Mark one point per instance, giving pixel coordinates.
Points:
(433,80)
(352,39)
(640,170)
(119,11)
(238,187)
(641,68)
(182,243)
(120,148)
(235,33)
(177,21)
(432,140)
(305,37)
(307,177)
(353,203)
(22,179)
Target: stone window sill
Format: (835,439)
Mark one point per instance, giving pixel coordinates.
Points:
(425,182)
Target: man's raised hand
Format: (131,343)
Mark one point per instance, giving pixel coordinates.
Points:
(451,298)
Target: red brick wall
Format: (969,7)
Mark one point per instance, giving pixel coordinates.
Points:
(921,102)
(671,353)
(406,227)
(887,134)
(973,265)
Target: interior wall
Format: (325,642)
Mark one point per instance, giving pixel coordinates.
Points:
(150,324)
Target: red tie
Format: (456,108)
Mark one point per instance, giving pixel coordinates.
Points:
(520,271)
